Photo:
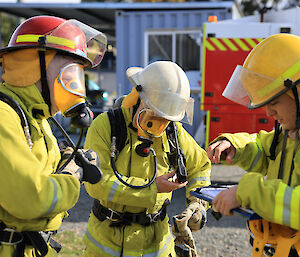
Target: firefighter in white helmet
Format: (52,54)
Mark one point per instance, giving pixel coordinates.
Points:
(269,78)
(43,73)
(129,213)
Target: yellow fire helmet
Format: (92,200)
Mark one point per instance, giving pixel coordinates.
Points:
(269,71)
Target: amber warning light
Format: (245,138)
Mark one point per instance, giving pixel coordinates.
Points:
(212,18)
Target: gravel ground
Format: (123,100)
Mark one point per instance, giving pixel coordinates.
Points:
(227,237)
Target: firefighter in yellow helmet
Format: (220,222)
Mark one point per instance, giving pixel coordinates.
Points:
(43,74)
(129,213)
(269,78)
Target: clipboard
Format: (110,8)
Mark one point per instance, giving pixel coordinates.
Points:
(209,193)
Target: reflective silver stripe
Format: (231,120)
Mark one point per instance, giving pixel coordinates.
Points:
(286,212)
(256,158)
(113,189)
(194,180)
(55,198)
(157,253)
(102,247)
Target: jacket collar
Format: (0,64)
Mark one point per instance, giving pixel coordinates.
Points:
(32,99)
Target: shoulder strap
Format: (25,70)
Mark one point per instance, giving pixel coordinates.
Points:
(18,109)
(118,127)
(15,105)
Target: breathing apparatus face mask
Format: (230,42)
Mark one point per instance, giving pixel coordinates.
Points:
(150,124)
(69,95)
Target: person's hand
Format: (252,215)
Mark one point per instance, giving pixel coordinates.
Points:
(165,186)
(215,150)
(225,201)
(71,168)
(90,163)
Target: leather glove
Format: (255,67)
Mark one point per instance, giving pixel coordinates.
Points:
(72,168)
(90,163)
(191,219)
(85,166)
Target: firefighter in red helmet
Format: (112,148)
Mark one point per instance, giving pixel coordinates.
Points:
(43,73)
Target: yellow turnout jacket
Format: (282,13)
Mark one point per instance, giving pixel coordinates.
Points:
(260,189)
(135,239)
(32,197)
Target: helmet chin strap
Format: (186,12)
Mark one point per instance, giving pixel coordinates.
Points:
(44,81)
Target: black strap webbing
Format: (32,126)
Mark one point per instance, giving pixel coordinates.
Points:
(15,105)
(118,127)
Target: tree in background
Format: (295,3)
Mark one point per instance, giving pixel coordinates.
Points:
(250,7)
(8,25)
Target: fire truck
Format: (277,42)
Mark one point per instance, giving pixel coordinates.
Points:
(226,44)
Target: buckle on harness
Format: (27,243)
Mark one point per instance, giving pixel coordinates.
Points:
(10,238)
(112,212)
(154,217)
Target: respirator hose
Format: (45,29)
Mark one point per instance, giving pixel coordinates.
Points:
(66,136)
(112,159)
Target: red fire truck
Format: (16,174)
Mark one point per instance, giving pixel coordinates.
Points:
(226,45)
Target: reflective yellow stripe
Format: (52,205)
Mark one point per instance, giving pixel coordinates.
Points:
(28,38)
(60,41)
(218,44)
(113,189)
(229,44)
(241,44)
(279,201)
(257,157)
(55,196)
(100,247)
(250,42)
(295,208)
(279,81)
(209,46)
(50,39)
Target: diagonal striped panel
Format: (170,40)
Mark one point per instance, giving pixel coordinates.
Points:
(231,44)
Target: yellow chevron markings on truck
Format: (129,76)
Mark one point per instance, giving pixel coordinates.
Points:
(218,44)
(229,44)
(209,46)
(226,44)
(241,44)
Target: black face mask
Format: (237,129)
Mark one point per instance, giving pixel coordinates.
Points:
(81,116)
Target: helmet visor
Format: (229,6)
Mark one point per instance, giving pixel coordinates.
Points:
(168,105)
(96,42)
(71,77)
(251,89)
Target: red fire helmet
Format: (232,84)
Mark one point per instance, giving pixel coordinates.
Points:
(70,37)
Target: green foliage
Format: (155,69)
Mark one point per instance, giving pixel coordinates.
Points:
(250,7)
(8,25)
(72,244)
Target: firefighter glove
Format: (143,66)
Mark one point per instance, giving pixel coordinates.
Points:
(90,163)
(71,168)
(191,219)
